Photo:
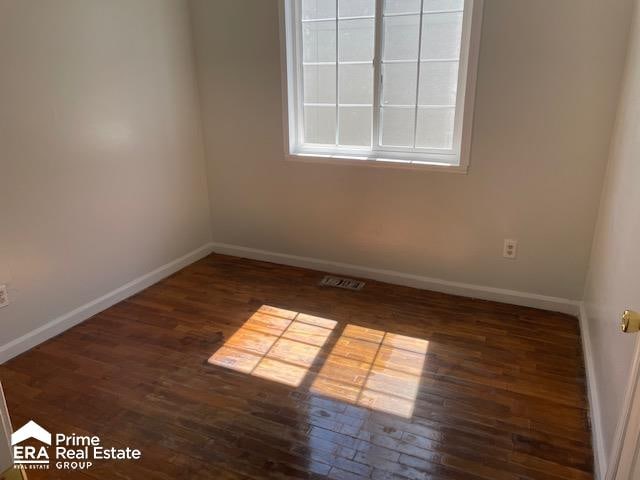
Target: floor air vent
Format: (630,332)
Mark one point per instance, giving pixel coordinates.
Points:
(338,282)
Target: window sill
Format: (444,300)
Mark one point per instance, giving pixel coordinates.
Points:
(376,162)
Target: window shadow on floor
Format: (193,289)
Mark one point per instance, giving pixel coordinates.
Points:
(371,368)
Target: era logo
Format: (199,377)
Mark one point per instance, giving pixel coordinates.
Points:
(27,454)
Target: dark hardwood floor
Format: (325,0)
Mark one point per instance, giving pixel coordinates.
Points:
(406,384)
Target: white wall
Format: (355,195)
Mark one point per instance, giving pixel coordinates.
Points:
(102,175)
(612,285)
(547,90)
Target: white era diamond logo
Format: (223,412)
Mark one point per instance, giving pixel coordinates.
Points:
(69,452)
(27,454)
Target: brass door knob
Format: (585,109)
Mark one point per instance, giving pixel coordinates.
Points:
(630,322)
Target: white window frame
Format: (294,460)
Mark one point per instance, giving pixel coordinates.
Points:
(454,160)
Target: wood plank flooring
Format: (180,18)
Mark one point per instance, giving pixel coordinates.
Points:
(309,382)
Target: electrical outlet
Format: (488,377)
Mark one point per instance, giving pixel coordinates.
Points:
(510,248)
(4,296)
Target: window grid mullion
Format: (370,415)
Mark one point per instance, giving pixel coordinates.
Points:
(337,74)
(415,117)
(377,77)
(299,73)
(369,17)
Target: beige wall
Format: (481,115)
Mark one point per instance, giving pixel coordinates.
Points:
(102,176)
(612,284)
(547,90)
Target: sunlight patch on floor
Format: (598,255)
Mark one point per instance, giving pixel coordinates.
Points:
(366,367)
(374,369)
(275,344)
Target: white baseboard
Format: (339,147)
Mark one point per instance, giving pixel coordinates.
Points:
(80,314)
(62,323)
(534,300)
(599,452)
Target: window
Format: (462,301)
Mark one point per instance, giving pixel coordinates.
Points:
(389,81)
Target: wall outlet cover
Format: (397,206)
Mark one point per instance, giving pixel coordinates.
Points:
(4,296)
(510,249)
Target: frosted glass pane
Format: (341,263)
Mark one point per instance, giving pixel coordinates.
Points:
(441,36)
(312,9)
(402,6)
(438,83)
(320,84)
(355,126)
(320,125)
(356,84)
(357,8)
(356,41)
(399,87)
(439,5)
(401,37)
(319,41)
(435,128)
(397,126)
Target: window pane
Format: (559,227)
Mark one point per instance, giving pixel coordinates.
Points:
(319,41)
(356,8)
(441,36)
(356,84)
(402,6)
(312,9)
(439,5)
(356,42)
(320,125)
(320,84)
(337,75)
(397,126)
(435,128)
(438,83)
(401,37)
(399,83)
(355,126)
